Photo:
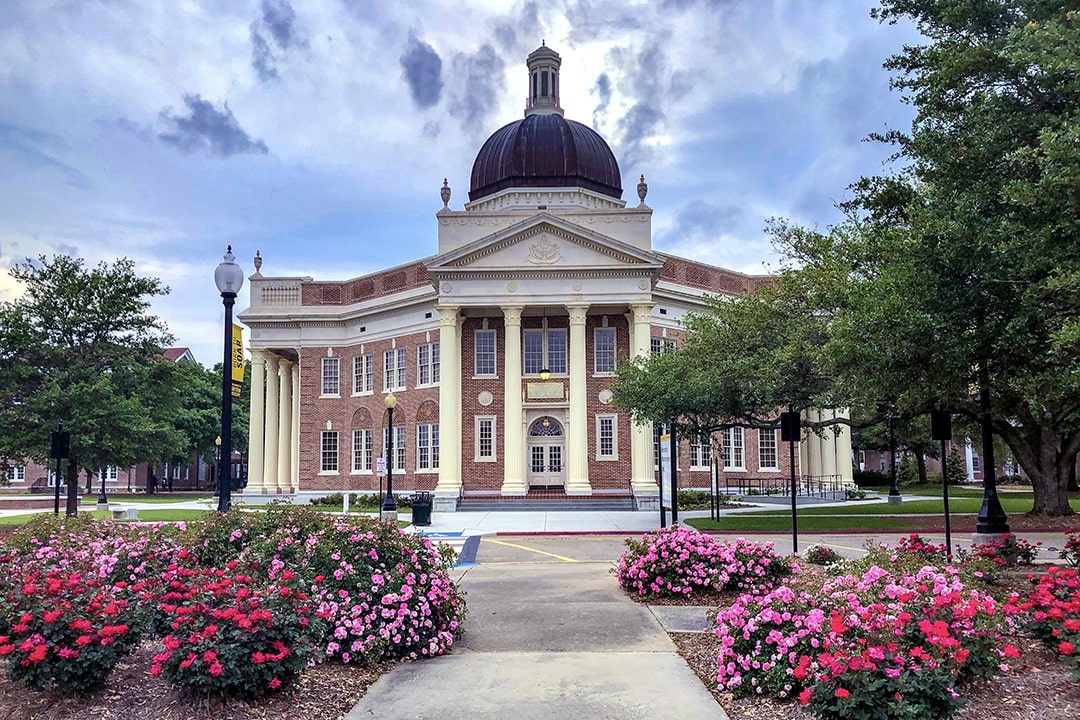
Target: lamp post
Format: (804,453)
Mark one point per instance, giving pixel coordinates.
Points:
(103,499)
(229,279)
(389,506)
(217,463)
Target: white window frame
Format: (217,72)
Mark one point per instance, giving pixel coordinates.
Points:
(700,453)
(363,374)
(328,458)
(762,465)
(427,439)
(607,359)
(427,363)
(494,353)
(601,421)
(733,448)
(661,346)
(108,473)
(331,377)
(394,366)
(479,422)
(363,451)
(399,446)
(546,351)
(16,473)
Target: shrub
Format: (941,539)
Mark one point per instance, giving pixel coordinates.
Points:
(957,467)
(854,494)
(671,562)
(915,545)
(821,555)
(700,499)
(870,478)
(872,694)
(68,631)
(230,636)
(907,472)
(753,566)
(1053,612)
(1007,551)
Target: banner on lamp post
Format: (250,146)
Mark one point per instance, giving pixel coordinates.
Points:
(237,363)
(665,470)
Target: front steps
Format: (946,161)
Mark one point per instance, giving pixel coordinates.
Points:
(546,502)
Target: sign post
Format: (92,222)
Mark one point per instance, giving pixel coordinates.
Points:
(380,470)
(61,448)
(790,429)
(665,477)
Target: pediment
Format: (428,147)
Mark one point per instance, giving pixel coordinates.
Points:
(544,242)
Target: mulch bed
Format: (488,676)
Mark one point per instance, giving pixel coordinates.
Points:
(325,692)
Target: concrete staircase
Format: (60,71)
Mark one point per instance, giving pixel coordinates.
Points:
(546,503)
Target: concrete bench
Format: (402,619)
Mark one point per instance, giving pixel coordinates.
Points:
(124,513)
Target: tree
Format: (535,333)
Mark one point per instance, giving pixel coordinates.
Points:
(79,346)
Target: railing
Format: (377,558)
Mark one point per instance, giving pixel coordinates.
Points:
(275,293)
(815,486)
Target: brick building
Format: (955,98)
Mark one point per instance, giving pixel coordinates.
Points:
(499,350)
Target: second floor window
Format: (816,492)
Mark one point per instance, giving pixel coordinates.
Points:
(604,350)
(544,348)
(485,353)
(330,376)
(363,374)
(427,364)
(394,369)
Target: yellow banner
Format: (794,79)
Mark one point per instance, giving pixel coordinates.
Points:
(237,354)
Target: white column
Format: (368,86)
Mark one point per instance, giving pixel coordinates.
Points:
(270,449)
(828,448)
(844,464)
(513,431)
(577,480)
(449,402)
(284,460)
(295,441)
(643,478)
(256,429)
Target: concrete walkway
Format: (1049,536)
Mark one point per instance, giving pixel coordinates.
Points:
(546,642)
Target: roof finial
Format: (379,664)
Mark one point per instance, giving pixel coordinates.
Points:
(642,190)
(445,194)
(258,263)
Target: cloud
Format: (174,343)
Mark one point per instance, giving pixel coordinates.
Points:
(207,128)
(602,90)
(36,149)
(422,69)
(279,22)
(482,82)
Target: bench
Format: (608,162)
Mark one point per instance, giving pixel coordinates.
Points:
(124,513)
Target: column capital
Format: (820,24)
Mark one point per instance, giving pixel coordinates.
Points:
(641,311)
(273,360)
(258,355)
(448,314)
(577,312)
(512,314)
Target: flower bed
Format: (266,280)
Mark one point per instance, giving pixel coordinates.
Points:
(1053,608)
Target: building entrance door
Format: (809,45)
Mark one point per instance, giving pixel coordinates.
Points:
(545,459)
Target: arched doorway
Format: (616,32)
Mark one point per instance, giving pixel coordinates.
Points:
(546,449)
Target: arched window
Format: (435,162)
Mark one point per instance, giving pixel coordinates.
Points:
(545,427)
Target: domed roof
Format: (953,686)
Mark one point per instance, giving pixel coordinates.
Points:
(545,150)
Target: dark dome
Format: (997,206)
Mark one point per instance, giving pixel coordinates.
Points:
(545,150)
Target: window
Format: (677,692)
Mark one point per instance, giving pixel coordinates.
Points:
(657,431)
(397,457)
(731,449)
(545,348)
(394,369)
(485,353)
(362,450)
(329,448)
(485,439)
(607,439)
(604,350)
(662,346)
(768,459)
(700,453)
(362,374)
(976,463)
(108,473)
(330,384)
(427,446)
(16,474)
(427,364)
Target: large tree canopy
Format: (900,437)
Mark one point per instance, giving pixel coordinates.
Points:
(80,346)
(958,273)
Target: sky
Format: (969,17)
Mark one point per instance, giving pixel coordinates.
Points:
(318,132)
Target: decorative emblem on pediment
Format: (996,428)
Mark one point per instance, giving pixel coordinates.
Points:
(544,252)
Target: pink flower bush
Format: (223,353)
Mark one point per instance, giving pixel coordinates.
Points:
(679,561)
(840,645)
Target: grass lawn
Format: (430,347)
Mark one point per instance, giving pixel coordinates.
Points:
(778,523)
(91,499)
(963,505)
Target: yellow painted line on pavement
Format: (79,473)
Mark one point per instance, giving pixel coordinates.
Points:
(529,549)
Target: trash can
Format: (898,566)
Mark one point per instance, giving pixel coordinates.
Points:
(421,509)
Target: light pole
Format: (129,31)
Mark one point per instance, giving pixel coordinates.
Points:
(389,506)
(217,464)
(229,279)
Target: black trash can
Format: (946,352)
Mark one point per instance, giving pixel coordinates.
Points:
(421,509)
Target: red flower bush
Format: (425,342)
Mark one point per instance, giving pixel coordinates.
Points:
(231,636)
(1053,609)
(1071,552)
(1008,550)
(68,631)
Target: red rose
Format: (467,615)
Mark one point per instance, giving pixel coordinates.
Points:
(1066,648)
(842,693)
(805,695)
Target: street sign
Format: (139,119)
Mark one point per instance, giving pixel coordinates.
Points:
(380,466)
(665,470)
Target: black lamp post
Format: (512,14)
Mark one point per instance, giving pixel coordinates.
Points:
(894,488)
(217,463)
(389,506)
(229,279)
(103,499)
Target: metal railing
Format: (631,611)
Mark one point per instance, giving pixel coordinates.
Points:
(813,486)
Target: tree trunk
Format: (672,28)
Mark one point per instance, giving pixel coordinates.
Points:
(72,506)
(1050,480)
(920,462)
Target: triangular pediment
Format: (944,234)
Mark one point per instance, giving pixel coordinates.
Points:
(544,242)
